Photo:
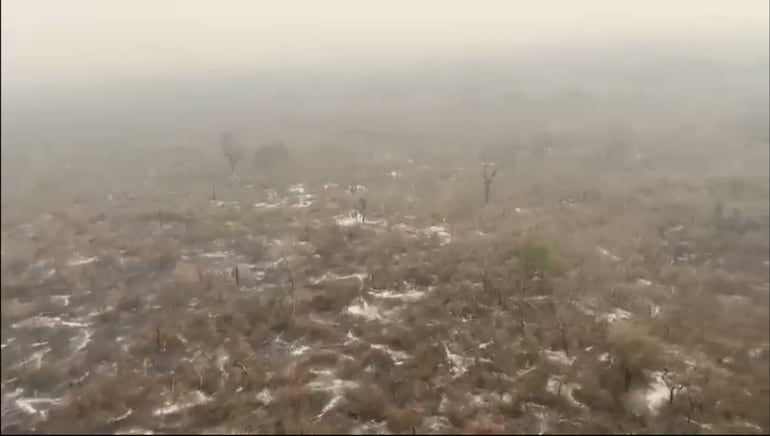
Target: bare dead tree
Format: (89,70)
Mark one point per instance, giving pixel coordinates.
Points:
(673,387)
(626,376)
(562,326)
(237,275)
(231,152)
(173,386)
(695,403)
(488,174)
(157,339)
(199,373)
(188,219)
(213,192)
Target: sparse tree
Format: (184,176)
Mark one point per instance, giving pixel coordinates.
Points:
(231,151)
(488,173)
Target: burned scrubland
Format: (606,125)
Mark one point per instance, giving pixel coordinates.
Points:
(508,242)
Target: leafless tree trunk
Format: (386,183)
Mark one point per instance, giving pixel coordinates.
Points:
(488,174)
(157,340)
(232,154)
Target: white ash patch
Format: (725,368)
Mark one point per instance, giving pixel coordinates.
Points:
(195,398)
(299,188)
(559,357)
(15,394)
(524,371)
(356,188)
(649,400)
(440,232)
(328,186)
(371,427)
(399,357)
(394,175)
(80,260)
(221,203)
(755,353)
(749,425)
(607,253)
(437,424)
(218,255)
(556,386)
(351,338)
(36,357)
(604,357)
(458,364)
(121,417)
(485,345)
(271,205)
(271,194)
(658,392)
(364,310)
(63,300)
(299,350)
(406,296)
(541,412)
(3,346)
(350,219)
(82,340)
(330,276)
(81,378)
(615,315)
(222,359)
(265,396)
(654,310)
(336,387)
(47,322)
(41,406)
(488,399)
(316,319)
(643,282)
(538,298)
(304,200)
(443,406)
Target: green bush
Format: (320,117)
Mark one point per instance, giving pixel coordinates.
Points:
(533,259)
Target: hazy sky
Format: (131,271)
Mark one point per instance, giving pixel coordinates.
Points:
(47,41)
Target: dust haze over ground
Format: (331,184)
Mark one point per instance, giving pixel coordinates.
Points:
(245,217)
